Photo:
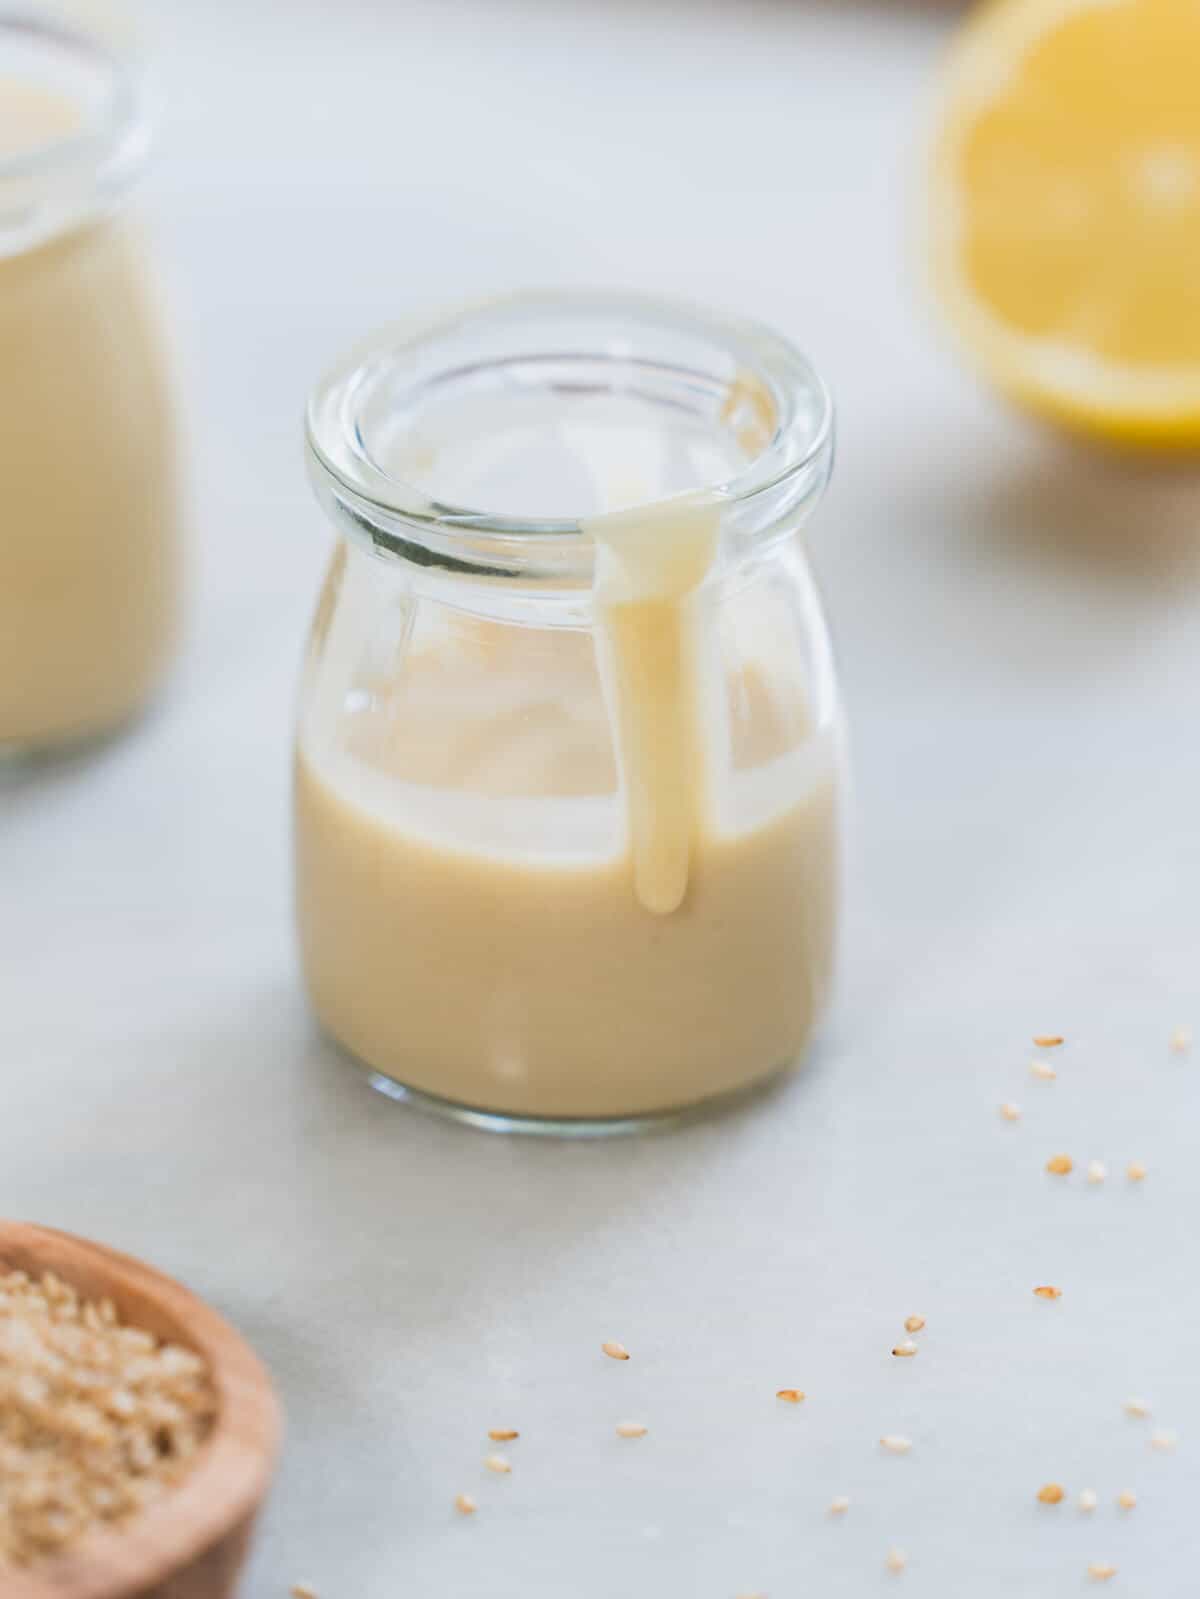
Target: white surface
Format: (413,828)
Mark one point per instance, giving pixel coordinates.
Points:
(1018,630)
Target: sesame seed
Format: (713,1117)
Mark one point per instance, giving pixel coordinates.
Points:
(631,1429)
(615,1351)
(1181,1040)
(1060,1165)
(1052,1494)
(839,1505)
(1097,1171)
(1135,1171)
(791,1396)
(1010,1111)
(1048,1040)
(1088,1500)
(895,1443)
(1101,1571)
(914,1323)
(1136,1407)
(1042,1069)
(498,1464)
(1048,1292)
(465,1505)
(906,1348)
(1127,1499)
(503,1435)
(896,1560)
(1164,1440)
(301,1590)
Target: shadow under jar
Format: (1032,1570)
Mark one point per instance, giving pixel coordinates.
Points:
(569,747)
(88,519)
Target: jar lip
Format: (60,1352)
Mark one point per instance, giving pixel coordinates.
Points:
(799,446)
(44,188)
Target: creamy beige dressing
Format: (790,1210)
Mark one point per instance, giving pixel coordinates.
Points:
(87,491)
(533,981)
(480,917)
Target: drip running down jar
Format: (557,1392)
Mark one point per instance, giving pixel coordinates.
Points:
(569,747)
(88,514)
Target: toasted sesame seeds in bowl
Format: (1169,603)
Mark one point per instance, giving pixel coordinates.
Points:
(191,1427)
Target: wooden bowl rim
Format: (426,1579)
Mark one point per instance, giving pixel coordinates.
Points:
(235,1464)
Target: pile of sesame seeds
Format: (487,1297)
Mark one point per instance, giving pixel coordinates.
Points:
(97,1419)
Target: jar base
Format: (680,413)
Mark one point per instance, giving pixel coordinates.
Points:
(567,1127)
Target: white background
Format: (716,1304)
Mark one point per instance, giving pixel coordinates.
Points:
(1017,629)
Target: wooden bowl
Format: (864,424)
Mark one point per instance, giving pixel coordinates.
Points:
(190,1544)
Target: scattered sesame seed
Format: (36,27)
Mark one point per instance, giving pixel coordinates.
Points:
(1101,1571)
(1164,1439)
(1097,1171)
(1048,1292)
(1136,1407)
(1135,1171)
(1010,1111)
(465,1505)
(631,1429)
(503,1435)
(1048,1040)
(1127,1499)
(1181,1040)
(839,1505)
(896,1560)
(791,1396)
(1052,1494)
(895,1443)
(1088,1499)
(1060,1165)
(301,1590)
(615,1351)
(914,1323)
(498,1464)
(906,1348)
(1042,1069)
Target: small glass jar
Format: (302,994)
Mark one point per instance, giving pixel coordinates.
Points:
(569,748)
(88,521)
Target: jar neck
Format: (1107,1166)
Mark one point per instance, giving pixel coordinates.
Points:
(593,390)
(444,550)
(74,128)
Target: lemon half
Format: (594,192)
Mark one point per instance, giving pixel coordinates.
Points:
(1065,209)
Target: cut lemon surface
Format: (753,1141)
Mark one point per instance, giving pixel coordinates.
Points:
(1065,214)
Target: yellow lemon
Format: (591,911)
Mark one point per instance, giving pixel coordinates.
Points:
(1065,209)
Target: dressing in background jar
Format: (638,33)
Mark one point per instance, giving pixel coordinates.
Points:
(88,516)
(569,746)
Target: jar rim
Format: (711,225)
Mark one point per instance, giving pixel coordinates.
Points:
(49,186)
(360,492)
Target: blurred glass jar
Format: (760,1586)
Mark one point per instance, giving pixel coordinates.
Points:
(567,848)
(88,515)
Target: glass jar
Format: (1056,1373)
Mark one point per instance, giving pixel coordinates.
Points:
(88,525)
(569,746)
